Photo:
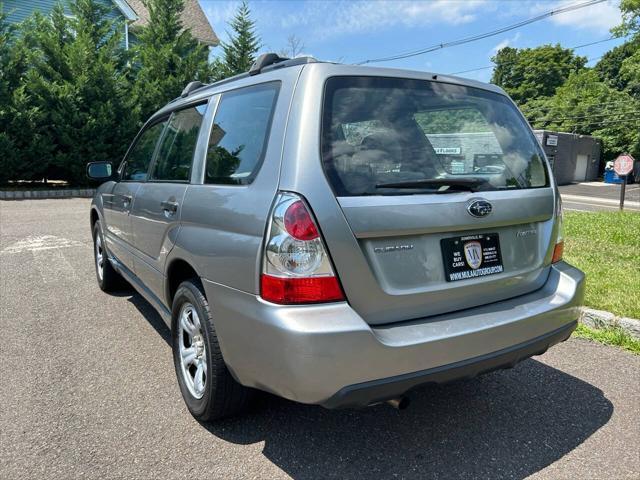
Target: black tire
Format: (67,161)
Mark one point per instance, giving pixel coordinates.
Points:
(223,396)
(110,280)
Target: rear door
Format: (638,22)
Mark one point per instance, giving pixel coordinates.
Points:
(444,198)
(156,212)
(118,203)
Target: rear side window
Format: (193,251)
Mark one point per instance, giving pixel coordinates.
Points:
(141,154)
(392,136)
(239,134)
(178,145)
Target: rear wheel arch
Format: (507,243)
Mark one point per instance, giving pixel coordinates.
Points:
(95,216)
(178,271)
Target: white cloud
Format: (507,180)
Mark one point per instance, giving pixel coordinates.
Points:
(600,17)
(505,43)
(353,17)
(219,13)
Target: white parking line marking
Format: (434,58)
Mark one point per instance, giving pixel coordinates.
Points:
(39,243)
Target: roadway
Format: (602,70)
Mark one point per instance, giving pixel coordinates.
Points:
(599,197)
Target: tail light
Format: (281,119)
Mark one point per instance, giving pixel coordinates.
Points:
(559,246)
(296,268)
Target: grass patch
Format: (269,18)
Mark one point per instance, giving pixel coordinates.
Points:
(606,246)
(609,336)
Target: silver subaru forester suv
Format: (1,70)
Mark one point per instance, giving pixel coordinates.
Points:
(337,235)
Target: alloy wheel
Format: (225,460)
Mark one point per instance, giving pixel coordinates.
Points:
(192,350)
(100,253)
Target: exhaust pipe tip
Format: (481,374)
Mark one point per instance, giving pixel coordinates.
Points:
(399,403)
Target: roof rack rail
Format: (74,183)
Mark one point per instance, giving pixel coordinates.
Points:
(191,87)
(271,61)
(264,63)
(265,60)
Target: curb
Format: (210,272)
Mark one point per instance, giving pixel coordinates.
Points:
(601,319)
(42,194)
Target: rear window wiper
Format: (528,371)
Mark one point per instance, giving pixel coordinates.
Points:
(453,184)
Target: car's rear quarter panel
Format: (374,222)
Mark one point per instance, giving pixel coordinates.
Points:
(223,225)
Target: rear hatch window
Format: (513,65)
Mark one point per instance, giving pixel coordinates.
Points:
(391,136)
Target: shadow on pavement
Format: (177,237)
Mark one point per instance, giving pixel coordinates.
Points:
(507,424)
(150,313)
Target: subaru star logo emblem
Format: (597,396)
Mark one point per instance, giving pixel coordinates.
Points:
(479,208)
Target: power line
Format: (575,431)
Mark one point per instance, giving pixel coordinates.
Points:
(506,63)
(596,126)
(585,118)
(570,48)
(482,36)
(628,117)
(543,108)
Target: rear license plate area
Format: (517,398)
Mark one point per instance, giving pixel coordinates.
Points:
(471,256)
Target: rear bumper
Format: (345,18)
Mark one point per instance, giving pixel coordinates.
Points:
(376,390)
(328,355)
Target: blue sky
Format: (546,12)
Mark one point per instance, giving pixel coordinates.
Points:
(352,31)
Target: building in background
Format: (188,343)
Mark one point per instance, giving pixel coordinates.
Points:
(132,13)
(573,158)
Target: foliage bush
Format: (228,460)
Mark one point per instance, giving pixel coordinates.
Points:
(70,93)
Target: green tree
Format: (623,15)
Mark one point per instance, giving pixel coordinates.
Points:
(588,106)
(239,54)
(166,58)
(11,72)
(630,18)
(630,68)
(24,151)
(611,64)
(531,73)
(79,88)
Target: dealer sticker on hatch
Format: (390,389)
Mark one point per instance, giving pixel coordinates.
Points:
(471,256)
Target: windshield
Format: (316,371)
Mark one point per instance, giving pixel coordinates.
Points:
(392,136)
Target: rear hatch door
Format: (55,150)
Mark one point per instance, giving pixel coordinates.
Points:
(445,192)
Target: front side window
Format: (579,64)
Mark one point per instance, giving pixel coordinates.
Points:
(178,145)
(239,134)
(137,162)
(390,136)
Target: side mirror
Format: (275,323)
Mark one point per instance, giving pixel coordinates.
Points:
(100,171)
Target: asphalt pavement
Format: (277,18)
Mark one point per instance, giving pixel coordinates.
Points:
(599,197)
(88,390)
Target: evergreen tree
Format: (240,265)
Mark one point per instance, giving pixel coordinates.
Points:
(167,57)
(9,82)
(23,151)
(62,94)
(239,54)
(78,85)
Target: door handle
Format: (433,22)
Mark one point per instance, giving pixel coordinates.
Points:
(171,207)
(127,200)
